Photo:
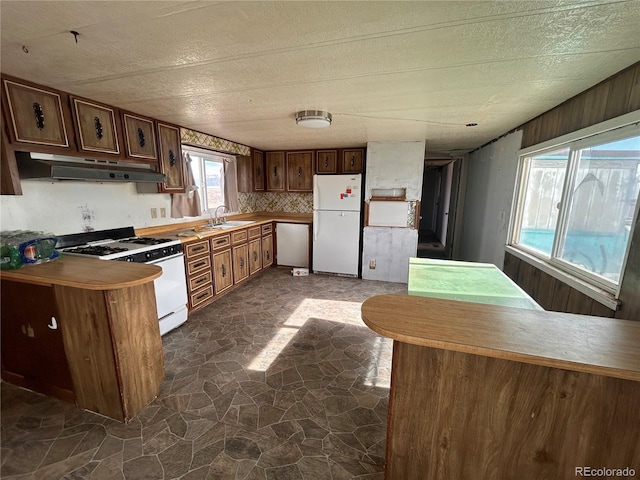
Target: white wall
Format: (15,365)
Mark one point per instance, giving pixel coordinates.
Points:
(392,165)
(71,207)
(491,177)
(395,165)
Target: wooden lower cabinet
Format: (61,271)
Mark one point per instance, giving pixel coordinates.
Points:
(216,265)
(222,271)
(255,256)
(199,273)
(100,349)
(267,251)
(33,354)
(240,263)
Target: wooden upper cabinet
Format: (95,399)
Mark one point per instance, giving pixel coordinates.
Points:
(258,171)
(35,115)
(95,126)
(275,172)
(171,159)
(300,171)
(139,138)
(245,173)
(353,160)
(326,161)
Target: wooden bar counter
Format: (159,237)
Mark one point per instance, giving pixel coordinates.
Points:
(85,331)
(491,392)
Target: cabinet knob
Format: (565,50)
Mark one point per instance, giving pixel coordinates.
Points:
(353,160)
(326,163)
(224,271)
(255,256)
(54,324)
(98,126)
(275,171)
(141,139)
(172,158)
(39,114)
(299,171)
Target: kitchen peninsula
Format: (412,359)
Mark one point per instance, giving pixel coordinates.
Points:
(489,391)
(85,331)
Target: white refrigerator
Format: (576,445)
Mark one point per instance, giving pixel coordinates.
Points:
(336,223)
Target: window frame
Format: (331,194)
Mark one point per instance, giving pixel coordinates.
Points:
(591,284)
(206,209)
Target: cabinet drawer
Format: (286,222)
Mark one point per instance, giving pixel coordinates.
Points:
(200,280)
(239,237)
(266,229)
(198,264)
(220,241)
(201,296)
(254,232)
(197,248)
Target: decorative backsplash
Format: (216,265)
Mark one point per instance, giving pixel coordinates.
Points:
(276,202)
(199,139)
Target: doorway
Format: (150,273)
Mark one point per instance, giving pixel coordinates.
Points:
(435,228)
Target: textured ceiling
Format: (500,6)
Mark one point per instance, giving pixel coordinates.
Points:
(385,70)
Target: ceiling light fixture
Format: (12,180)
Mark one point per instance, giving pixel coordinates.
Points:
(313,118)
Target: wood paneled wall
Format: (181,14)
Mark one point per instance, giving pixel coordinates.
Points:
(550,292)
(611,98)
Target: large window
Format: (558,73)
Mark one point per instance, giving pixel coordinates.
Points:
(215,176)
(576,204)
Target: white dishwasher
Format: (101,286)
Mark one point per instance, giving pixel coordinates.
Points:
(292,244)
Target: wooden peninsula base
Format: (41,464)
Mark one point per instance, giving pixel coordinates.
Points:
(490,392)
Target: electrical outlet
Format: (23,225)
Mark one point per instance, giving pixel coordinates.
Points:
(154,213)
(372,264)
(163,212)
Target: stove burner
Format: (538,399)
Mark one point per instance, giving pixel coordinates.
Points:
(146,240)
(97,250)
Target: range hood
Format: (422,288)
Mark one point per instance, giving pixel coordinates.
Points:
(43,166)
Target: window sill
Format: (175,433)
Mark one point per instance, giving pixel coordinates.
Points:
(599,295)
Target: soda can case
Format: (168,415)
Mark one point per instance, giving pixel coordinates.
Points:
(38,250)
(26,247)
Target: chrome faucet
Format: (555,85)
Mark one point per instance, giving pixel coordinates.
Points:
(224,218)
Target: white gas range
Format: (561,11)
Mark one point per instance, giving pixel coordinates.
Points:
(123,245)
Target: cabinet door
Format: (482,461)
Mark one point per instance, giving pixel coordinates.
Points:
(140,137)
(170,159)
(245,174)
(300,171)
(326,161)
(222,271)
(352,161)
(240,263)
(258,171)
(35,115)
(267,251)
(33,353)
(275,171)
(255,256)
(95,127)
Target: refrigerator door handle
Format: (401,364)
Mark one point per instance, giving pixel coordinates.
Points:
(315,225)
(316,193)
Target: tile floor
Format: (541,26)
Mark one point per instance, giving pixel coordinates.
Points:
(279,379)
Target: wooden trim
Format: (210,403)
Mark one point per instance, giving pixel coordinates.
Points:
(9,176)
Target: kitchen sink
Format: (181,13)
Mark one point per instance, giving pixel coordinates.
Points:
(235,223)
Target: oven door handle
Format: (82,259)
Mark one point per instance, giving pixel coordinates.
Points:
(158,260)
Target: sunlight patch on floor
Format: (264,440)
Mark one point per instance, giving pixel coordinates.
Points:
(340,311)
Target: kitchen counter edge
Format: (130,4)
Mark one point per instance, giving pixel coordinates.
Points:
(581,343)
(257,218)
(85,273)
